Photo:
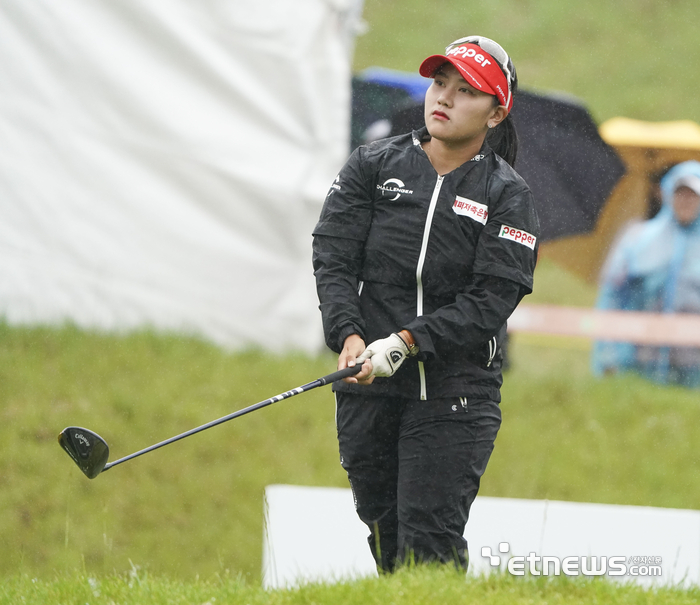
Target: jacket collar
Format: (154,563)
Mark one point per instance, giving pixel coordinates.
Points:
(423,136)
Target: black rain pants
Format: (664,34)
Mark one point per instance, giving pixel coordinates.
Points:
(414,468)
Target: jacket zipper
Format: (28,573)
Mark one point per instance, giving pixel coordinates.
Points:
(493,347)
(419,274)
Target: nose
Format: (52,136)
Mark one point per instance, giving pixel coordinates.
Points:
(446,97)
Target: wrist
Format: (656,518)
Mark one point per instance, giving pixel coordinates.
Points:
(408,340)
(351,339)
(347,334)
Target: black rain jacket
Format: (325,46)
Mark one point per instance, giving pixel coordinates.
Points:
(446,257)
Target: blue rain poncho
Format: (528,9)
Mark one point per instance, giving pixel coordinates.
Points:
(655,267)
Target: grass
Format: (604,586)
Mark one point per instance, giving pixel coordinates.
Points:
(196,507)
(187,509)
(627,58)
(556,286)
(408,587)
(621,440)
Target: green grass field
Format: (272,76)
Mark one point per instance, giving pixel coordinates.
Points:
(184,524)
(409,587)
(632,58)
(195,507)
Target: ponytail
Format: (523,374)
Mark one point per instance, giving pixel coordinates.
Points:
(503,139)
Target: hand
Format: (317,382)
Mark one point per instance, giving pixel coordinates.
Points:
(353,347)
(386,355)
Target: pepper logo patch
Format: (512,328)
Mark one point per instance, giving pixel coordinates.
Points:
(474,210)
(518,235)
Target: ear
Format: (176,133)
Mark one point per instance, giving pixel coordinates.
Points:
(499,114)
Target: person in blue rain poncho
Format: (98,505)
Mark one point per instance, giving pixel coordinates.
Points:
(655,267)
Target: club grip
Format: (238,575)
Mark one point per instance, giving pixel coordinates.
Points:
(340,374)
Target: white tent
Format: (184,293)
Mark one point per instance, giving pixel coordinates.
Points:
(162,164)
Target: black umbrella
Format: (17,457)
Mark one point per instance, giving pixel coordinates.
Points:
(569,168)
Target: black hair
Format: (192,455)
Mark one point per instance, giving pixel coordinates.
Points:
(503,139)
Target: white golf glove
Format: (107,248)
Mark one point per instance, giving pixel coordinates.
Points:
(386,355)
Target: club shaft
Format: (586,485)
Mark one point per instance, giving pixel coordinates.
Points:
(339,375)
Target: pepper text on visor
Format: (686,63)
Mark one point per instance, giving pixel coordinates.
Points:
(477,67)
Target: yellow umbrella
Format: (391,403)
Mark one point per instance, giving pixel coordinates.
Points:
(645,147)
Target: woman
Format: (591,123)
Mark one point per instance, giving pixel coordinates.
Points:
(655,267)
(425,245)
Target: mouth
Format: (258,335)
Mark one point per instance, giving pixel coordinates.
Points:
(439,115)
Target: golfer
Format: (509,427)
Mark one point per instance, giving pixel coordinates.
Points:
(425,245)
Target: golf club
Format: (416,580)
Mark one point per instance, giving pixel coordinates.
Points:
(90,452)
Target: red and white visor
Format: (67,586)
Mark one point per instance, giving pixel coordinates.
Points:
(477,67)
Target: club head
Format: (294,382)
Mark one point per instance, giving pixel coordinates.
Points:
(88,450)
